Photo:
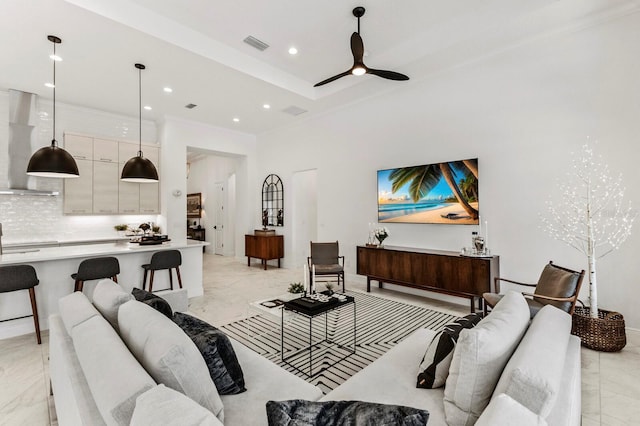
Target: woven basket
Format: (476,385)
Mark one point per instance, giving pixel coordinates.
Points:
(605,333)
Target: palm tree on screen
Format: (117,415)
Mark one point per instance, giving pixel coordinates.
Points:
(422,179)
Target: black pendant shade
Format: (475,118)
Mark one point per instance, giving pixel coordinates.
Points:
(53,161)
(139,169)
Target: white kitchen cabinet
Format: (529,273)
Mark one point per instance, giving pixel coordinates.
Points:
(80,147)
(78,192)
(149,198)
(105,150)
(99,189)
(105,187)
(128,195)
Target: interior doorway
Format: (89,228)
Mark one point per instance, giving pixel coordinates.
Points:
(214,176)
(218,218)
(304,214)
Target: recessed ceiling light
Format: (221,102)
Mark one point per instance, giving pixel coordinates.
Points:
(147,107)
(168,89)
(55,57)
(266,106)
(50,85)
(236,119)
(293,51)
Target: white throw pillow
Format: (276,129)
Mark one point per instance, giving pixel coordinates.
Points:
(107,298)
(505,411)
(479,358)
(75,309)
(532,376)
(166,352)
(164,406)
(114,376)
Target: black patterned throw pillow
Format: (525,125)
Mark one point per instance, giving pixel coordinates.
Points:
(299,412)
(217,352)
(156,302)
(435,364)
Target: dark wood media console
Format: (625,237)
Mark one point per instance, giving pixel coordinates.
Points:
(433,270)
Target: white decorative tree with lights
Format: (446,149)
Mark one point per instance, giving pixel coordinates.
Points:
(591,217)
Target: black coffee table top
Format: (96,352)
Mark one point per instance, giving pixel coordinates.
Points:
(312,307)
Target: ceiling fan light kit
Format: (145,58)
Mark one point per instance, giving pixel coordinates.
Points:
(139,169)
(53,161)
(357,50)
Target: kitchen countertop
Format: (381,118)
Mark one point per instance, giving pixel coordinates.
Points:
(63,242)
(31,255)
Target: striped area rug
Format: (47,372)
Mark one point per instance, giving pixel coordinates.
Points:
(380,325)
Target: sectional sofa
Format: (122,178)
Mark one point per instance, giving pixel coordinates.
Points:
(97,380)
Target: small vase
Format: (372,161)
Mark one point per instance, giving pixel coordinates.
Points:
(380,240)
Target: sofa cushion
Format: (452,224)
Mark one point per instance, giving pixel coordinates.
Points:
(479,358)
(392,380)
(265,381)
(342,413)
(114,376)
(107,298)
(75,309)
(153,300)
(434,368)
(217,352)
(168,354)
(506,411)
(164,406)
(532,375)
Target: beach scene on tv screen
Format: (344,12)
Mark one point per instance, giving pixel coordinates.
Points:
(432,193)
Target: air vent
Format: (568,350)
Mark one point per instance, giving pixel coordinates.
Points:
(254,42)
(294,110)
(190,106)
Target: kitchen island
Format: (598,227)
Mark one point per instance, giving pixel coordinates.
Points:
(54,266)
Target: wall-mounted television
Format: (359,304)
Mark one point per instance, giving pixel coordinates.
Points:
(445,193)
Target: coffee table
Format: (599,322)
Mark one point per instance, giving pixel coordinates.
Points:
(309,308)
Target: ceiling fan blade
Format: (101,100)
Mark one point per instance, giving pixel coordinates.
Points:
(330,79)
(357,47)
(391,75)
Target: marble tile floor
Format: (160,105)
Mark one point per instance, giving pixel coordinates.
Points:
(610,382)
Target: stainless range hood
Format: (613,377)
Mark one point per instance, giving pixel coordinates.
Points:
(22,122)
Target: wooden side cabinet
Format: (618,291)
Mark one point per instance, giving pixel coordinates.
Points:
(433,270)
(264,248)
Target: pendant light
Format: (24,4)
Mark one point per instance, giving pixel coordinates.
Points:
(53,161)
(139,169)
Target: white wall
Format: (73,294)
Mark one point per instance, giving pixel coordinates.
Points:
(36,218)
(176,135)
(522,113)
(204,174)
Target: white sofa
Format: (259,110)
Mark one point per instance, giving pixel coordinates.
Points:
(76,403)
(391,380)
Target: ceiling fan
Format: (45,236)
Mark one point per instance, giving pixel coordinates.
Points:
(357,49)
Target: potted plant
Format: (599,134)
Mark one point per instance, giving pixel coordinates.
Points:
(592,218)
(381,233)
(121,228)
(296,288)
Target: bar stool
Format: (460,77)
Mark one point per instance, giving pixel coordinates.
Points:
(21,277)
(95,269)
(169,259)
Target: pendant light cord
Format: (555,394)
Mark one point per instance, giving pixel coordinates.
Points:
(140,112)
(53,141)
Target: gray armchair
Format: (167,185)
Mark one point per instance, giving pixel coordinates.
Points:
(327,261)
(557,286)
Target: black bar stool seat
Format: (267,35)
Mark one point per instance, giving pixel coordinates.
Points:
(22,277)
(170,259)
(96,268)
